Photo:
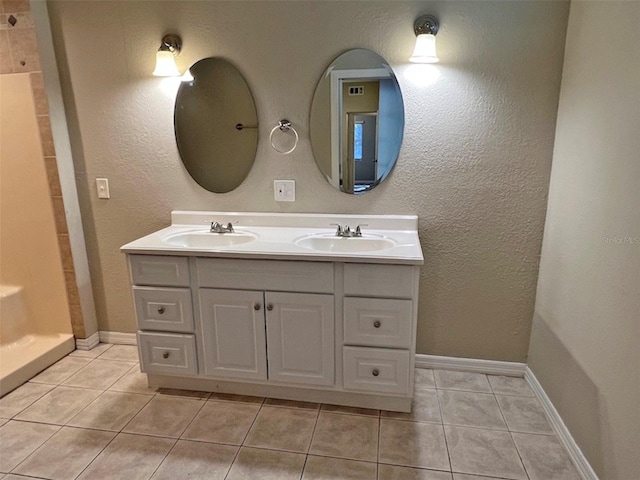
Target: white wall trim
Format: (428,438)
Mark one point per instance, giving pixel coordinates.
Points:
(88,343)
(118,338)
(64,161)
(584,468)
(489,367)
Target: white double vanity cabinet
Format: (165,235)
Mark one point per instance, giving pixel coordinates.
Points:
(281,306)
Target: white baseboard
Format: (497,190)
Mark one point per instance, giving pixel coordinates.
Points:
(88,343)
(584,468)
(118,338)
(489,367)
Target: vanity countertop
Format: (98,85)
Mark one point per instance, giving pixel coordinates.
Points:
(283,236)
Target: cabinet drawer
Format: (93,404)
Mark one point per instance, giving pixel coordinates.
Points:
(395,281)
(376,370)
(310,277)
(159,270)
(376,322)
(165,309)
(168,354)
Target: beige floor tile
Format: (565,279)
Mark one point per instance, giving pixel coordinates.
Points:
(346,436)
(392,472)
(424,378)
(94,352)
(66,454)
(282,429)
(326,468)
(110,411)
(510,386)
(123,353)
(258,464)
(133,381)
(165,416)
(470,409)
(196,461)
(524,414)
(222,422)
(128,457)
(424,407)
(472,382)
(545,458)
(369,412)
(277,402)
(228,397)
(99,374)
(22,397)
(413,444)
(19,439)
(483,452)
(60,371)
(3,421)
(59,405)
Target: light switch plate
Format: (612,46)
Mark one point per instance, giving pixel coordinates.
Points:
(102,184)
(284,190)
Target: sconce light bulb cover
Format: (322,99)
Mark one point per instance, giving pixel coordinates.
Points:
(425,49)
(166,64)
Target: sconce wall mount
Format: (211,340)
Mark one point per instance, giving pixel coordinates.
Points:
(426,24)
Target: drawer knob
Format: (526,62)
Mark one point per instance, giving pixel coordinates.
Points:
(160,310)
(165,355)
(377,324)
(375,372)
(256,306)
(269,306)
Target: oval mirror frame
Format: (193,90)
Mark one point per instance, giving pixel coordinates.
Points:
(356,121)
(216,125)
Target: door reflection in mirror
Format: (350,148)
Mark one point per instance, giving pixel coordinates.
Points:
(357,121)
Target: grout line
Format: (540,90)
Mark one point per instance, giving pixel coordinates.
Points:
(165,457)
(444,434)
(35,449)
(244,439)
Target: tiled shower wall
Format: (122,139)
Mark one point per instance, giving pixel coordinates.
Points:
(19,54)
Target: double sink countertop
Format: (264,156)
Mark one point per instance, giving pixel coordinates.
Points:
(391,239)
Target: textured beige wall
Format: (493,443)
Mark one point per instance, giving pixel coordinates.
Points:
(585,343)
(29,255)
(474,164)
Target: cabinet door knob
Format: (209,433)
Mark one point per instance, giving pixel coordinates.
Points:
(165,355)
(256,306)
(269,306)
(377,324)
(160,310)
(375,372)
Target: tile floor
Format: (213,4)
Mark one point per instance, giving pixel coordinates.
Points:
(92,416)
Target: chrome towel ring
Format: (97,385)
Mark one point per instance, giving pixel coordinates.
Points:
(284,126)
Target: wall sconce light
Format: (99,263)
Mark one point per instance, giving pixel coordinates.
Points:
(425,28)
(165,57)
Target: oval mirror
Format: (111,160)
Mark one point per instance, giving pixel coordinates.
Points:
(357,121)
(216,125)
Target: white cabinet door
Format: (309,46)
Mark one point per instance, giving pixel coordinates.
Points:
(300,338)
(233,333)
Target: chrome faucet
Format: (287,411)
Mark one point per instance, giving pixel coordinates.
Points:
(347,232)
(217,227)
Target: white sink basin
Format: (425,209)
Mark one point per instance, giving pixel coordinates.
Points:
(205,239)
(332,243)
